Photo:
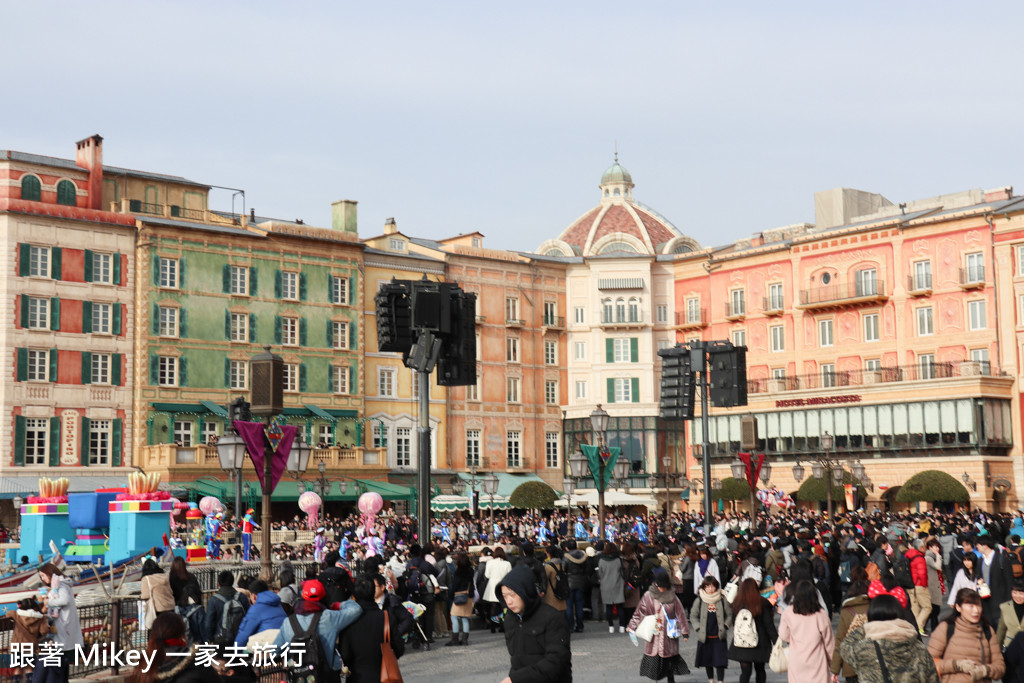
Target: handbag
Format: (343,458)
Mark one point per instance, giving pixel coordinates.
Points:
(730,589)
(460,598)
(389,672)
(984,591)
(672,628)
(778,661)
(647,628)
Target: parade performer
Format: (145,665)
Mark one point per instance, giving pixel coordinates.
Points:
(319,544)
(373,543)
(581,530)
(213,541)
(248,524)
(640,530)
(542,533)
(345,544)
(609,532)
(446,534)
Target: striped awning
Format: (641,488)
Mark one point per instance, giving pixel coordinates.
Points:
(620,283)
(447,503)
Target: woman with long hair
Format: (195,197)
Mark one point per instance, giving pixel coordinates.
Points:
(687,565)
(966,577)
(964,646)
(752,656)
(59,604)
(852,615)
(613,584)
(188,600)
(806,626)
(632,594)
(497,568)
(173,659)
(711,620)
(705,567)
(156,591)
(462,596)
(887,648)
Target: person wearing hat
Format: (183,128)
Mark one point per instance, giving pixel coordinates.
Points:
(248,524)
(330,622)
(536,634)
(319,543)
(661,653)
(1011,615)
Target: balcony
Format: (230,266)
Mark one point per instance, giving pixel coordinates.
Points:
(202,459)
(621,319)
(772,305)
(514,322)
(854,378)
(553,322)
(735,310)
(919,285)
(843,295)
(692,320)
(972,278)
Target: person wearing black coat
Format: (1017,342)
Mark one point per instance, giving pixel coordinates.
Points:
(1013,655)
(994,568)
(536,634)
(360,642)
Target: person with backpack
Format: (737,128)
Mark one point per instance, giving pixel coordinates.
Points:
(225,610)
(920,598)
(753,631)
(30,625)
(422,587)
(361,644)
(886,648)
(964,646)
(462,599)
(556,581)
(188,600)
(265,613)
(173,660)
(661,653)
(320,650)
(633,573)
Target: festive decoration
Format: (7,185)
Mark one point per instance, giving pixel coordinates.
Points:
(370,503)
(310,503)
(210,505)
(139,482)
(52,491)
(253,435)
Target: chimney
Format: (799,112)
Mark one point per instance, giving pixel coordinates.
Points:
(999,194)
(343,216)
(89,156)
(390,227)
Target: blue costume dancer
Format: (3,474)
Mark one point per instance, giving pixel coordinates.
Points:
(609,532)
(344,545)
(581,531)
(542,533)
(640,529)
(446,534)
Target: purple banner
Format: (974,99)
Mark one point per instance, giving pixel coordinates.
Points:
(256,441)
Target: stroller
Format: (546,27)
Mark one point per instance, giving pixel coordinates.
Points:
(416,637)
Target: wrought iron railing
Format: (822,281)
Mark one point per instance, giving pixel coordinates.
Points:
(847,378)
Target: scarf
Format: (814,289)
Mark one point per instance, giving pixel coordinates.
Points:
(308,607)
(665,597)
(710,598)
(702,565)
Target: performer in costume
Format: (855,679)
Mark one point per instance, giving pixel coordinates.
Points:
(248,524)
(542,533)
(640,530)
(319,544)
(446,534)
(581,530)
(609,532)
(345,545)
(213,524)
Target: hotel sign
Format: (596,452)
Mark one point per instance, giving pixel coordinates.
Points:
(69,437)
(817,401)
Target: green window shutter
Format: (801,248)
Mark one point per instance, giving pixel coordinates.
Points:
(352,291)
(156,270)
(54,442)
(611,390)
(31,188)
(22,372)
(84,452)
(634,389)
(277,329)
(252,327)
(67,193)
(55,313)
(86,317)
(181,272)
(353,334)
(330,334)
(24,310)
(227,325)
(252,282)
(19,440)
(24,259)
(182,329)
(116,437)
(226,278)
(154,370)
(116,275)
(227,372)
(609,351)
(330,289)
(115,322)
(330,378)
(302,377)
(302,286)
(277,284)
(86,367)
(87,266)
(54,356)
(183,372)
(302,331)
(156,319)
(115,368)
(55,263)
(634,349)
(352,378)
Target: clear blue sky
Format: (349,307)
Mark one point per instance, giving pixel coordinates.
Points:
(501,117)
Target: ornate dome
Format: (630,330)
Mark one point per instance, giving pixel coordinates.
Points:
(616,174)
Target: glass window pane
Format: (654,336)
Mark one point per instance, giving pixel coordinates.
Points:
(990,422)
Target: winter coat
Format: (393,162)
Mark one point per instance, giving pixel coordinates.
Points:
(538,639)
(766,636)
(576,567)
(60,603)
(906,658)
(968,642)
(918,567)
(632,596)
(699,618)
(1013,655)
(858,604)
(652,603)
(811,643)
(934,562)
(360,645)
(494,572)
(29,625)
(551,578)
(157,589)
(215,608)
(1009,624)
(775,561)
(186,591)
(332,622)
(999,579)
(609,568)
(265,613)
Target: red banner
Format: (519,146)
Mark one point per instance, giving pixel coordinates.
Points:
(753,463)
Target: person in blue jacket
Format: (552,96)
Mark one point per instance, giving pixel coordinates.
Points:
(266,612)
(332,622)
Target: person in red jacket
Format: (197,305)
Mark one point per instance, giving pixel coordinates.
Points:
(920,598)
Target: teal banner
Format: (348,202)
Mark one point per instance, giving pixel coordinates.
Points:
(594,458)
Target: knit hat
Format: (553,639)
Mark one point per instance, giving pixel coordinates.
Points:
(661,579)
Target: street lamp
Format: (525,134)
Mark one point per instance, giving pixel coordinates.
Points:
(490,486)
(231,453)
(322,485)
(298,457)
(569,486)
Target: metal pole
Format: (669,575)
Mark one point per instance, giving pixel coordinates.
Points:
(705,433)
(266,569)
(423,437)
(238,505)
(828,473)
(600,496)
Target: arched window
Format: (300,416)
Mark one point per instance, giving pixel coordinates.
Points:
(31,188)
(634,310)
(606,193)
(66,193)
(613,247)
(620,311)
(616,192)
(606,314)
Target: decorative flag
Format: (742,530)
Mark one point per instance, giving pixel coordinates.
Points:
(595,456)
(255,438)
(851,492)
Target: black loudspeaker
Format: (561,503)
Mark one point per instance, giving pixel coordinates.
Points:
(678,389)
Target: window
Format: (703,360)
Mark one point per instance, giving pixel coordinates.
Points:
(620,311)
(291,377)
(169,272)
(100,318)
(549,313)
(38,365)
(779,373)
(664,344)
(607,311)
(31,189)
(183,433)
(325,434)
(975,267)
(551,392)
(511,349)
(414,382)
(99,442)
(386,382)
(339,380)
(477,242)
(289,285)
(403,447)
(240,280)
(339,290)
(100,371)
(693,310)
(926,365)
(396,245)
(623,390)
(581,389)
(662,313)
(578,315)
(739,337)
(379,440)
(828,375)
(924,321)
(737,302)
(778,337)
(167,371)
(37,433)
(513,450)
(551,449)
(634,310)
(38,312)
(1020,260)
(290,331)
(239,374)
(873,365)
(581,347)
(980,356)
(871,327)
(775,301)
(168,321)
(102,268)
(976,311)
(472,448)
(550,353)
(621,350)
(867,282)
(209,432)
(67,193)
(825,332)
(512,389)
(922,275)
(511,308)
(39,261)
(240,327)
(339,335)
(473,390)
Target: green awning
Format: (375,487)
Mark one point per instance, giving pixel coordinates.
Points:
(215,409)
(195,408)
(319,413)
(289,490)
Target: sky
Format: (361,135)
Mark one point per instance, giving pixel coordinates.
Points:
(455,117)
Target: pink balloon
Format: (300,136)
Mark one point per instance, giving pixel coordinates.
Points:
(209,505)
(370,503)
(309,501)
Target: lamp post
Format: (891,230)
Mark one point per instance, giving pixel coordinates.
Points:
(231,453)
(322,485)
(267,398)
(831,467)
(569,484)
(666,478)
(490,486)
